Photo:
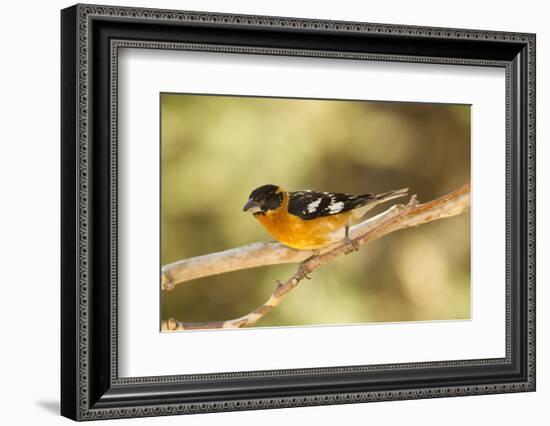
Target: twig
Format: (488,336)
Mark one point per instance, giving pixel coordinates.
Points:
(396,218)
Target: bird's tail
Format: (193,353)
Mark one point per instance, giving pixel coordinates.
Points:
(386,196)
(370,201)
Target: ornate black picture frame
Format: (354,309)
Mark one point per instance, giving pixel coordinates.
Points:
(91,387)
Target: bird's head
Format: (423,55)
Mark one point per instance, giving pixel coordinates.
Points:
(264,199)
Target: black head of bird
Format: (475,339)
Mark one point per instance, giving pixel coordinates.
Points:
(263,199)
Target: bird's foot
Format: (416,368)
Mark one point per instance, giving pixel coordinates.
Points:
(351,243)
(303,272)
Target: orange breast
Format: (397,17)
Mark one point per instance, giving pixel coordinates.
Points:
(303,234)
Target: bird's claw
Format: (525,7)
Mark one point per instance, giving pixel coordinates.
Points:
(303,272)
(352,243)
(349,241)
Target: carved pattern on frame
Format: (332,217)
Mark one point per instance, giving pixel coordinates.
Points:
(87,12)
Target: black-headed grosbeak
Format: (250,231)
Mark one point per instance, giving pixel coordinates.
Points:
(309,220)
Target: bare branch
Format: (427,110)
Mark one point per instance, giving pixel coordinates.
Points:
(396,218)
(253,255)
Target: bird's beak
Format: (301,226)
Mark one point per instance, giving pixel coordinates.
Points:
(251,206)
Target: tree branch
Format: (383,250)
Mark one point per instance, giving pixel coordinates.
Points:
(269,253)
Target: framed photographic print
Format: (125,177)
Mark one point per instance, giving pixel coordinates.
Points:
(263,212)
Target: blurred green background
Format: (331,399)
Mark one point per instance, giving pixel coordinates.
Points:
(217,149)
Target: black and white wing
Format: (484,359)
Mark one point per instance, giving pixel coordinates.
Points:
(311,204)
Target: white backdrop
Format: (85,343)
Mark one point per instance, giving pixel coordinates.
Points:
(141,344)
(29,225)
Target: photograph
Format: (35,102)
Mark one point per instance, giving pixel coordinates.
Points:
(260,194)
(276,210)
